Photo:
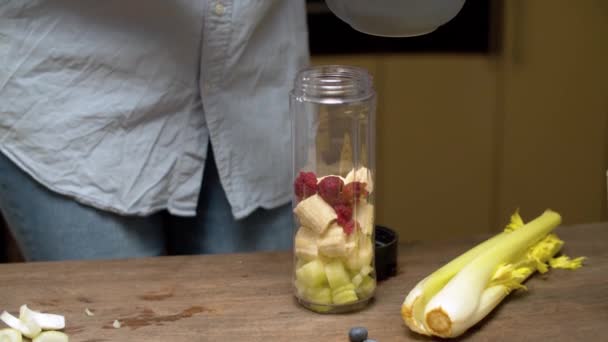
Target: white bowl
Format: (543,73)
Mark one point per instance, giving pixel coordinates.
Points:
(395,18)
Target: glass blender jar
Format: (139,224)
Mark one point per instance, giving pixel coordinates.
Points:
(333,138)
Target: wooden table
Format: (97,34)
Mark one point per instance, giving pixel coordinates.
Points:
(248,297)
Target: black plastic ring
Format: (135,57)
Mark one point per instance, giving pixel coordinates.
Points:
(386,243)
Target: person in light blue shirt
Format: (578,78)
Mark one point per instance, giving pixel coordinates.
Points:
(141,127)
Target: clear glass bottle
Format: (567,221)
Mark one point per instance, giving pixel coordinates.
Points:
(333,138)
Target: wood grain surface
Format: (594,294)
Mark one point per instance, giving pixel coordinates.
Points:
(247,297)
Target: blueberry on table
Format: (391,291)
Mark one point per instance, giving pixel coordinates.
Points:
(357,334)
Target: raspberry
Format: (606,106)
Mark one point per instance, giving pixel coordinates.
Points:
(330,188)
(349,227)
(344,213)
(305,185)
(345,217)
(352,192)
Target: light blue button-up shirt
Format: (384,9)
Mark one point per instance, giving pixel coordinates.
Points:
(114,102)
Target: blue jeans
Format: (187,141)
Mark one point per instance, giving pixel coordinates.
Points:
(49,226)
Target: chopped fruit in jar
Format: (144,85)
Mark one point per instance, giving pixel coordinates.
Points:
(366,270)
(347,287)
(319,179)
(315,213)
(362,175)
(305,185)
(353,192)
(306,244)
(345,218)
(362,256)
(366,288)
(349,227)
(361,275)
(344,294)
(344,212)
(312,274)
(364,214)
(318,295)
(333,249)
(345,297)
(330,188)
(333,242)
(357,280)
(352,243)
(336,274)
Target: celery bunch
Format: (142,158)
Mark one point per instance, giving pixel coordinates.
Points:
(464,291)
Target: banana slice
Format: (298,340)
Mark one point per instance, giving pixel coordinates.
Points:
(352,242)
(364,214)
(319,179)
(363,175)
(335,243)
(315,214)
(306,244)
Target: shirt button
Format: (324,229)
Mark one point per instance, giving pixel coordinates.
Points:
(219,9)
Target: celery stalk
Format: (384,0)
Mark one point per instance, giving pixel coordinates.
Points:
(412,309)
(464,291)
(10,335)
(415,302)
(458,300)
